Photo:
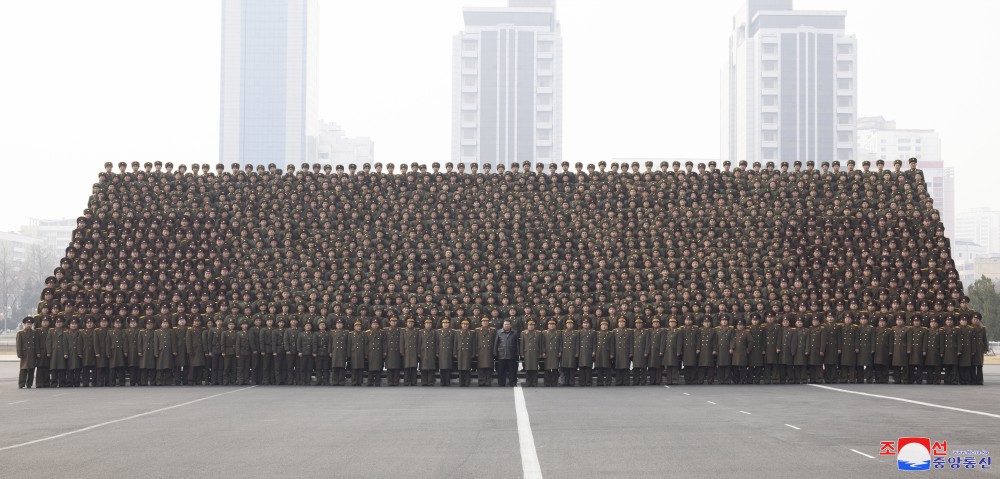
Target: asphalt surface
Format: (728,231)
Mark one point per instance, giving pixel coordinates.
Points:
(681,431)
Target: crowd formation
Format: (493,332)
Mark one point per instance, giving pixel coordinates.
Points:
(193,275)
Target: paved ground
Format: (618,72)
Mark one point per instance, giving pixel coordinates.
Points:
(682,431)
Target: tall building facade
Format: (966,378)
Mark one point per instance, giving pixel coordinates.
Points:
(336,148)
(789,88)
(269,83)
(980,226)
(879,139)
(507,85)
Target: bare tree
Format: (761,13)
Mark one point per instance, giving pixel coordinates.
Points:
(37,266)
(9,284)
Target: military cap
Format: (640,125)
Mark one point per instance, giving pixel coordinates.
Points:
(445,320)
(850,163)
(711,164)
(602,163)
(435,165)
(357,323)
(912,161)
(568,321)
(147,164)
(639,320)
(810,163)
(108,164)
(465,321)
(688,163)
(797,163)
(552,321)
(27,321)
(836,163)
(341,167)
(122,164)
(825,164)
(586,321)
(866,163)
(897,162)
(671,319)
(879,161)
(428,321)
(727,163)
(90,320)
(135,164)
(119,320)
(410,320)
(352,166)
(72,321)
(656,320)
(604,322)
(756,164)
(741,323)
(743,163)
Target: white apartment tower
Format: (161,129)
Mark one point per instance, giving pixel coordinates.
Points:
(789,88)
(269,82)
(507,79)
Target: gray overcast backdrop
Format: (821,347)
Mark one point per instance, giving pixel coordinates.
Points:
(87,82)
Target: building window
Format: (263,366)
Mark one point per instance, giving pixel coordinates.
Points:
(544,151)
(469,46)
(544,135)
(469,80)
(468,116)
(468,151)
(545,117)
(845,83)
(843,136)
(768,153)
(845,49)
(769,83)
(769,100)
(768,117)
(469,63)
(769,49)
(844,118)
(844,154)
(769,65)
(904,140)
(468,97)
(545,64)
(769,135)
(545,82)
(844,101)
(468,133)
(544,47)
(843,66)
(545,99)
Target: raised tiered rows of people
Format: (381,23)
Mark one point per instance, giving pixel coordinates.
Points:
(628,275)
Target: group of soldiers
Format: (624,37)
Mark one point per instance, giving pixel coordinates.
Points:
(788,352)
(160,249)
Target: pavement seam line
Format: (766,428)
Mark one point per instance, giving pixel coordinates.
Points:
(911,401)
(114,421)
(744,412)
(529,456)
(793,427)
(863,454)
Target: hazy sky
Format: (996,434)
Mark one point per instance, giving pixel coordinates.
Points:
(82,83)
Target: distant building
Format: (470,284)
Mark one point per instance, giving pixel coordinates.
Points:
(980,226)
(985,266)
(965,254)
(53,235)
(507,85)
(335,148)
(269,84)
(789,88)
(879,139)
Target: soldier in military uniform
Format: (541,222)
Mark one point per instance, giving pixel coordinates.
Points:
(195,347)
(147,355)
(980,344)
(964,350)
(306,348)
(670,346)
(279,357)
(882,350)
(739,348)
(932,358)
(409,351)
(916,350)
(446,351)
(290,343)
(357,347)
(42,370)
(900,356)
(254,337)
(244,353)
(213,346)
(641,349)
(531,353)
(586,353)
(864,346)
(849,351)
(569,353)
(133,337)
(26,353)
(707,341)
(393,359)
(266,344)
(74,353)
(375,343)
(786,352)
(772,349)
(800,359)
(228,346)
(817,343)
(428,351)
(552,341)
(485,337)
(465,350)
(623,344)
(339,351)
(688,352)
(178,342)
(757,351)
(101,354)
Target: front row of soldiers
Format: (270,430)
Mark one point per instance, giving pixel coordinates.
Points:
(769,352)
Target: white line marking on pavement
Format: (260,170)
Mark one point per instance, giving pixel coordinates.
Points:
(529,456)
(744,412)
(16,402)
(686,394)
(135,416)
(970,411)
(710,402)
(57,395)
(863,454)
(668,387)
(793,427)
